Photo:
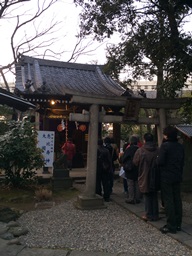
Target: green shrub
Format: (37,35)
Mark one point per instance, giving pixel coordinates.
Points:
(19,155)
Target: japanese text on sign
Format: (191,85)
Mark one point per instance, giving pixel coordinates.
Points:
(46,143)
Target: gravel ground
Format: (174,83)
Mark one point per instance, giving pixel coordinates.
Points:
(112,230)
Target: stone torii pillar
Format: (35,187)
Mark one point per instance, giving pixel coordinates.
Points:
(92,150)
(89,200)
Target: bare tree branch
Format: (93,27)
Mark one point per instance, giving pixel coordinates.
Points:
(30,41)
(41,38)
(82,48)
(8,3)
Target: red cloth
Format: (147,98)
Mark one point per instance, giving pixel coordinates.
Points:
(69,149)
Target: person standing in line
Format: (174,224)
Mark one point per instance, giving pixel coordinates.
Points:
(125,185)
(171,162)
(126,145)
(131,172)
(69,150)
(115,153)
(114,157)
(144,158)
(103,171)
(139,143)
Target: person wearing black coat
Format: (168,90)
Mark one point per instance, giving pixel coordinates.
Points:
(113,152)
(171,162)
(103,173)
(132,172)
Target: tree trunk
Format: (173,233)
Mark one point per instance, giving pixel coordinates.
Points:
(159,81)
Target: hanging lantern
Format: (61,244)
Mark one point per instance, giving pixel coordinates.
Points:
(59,128)
(82,127)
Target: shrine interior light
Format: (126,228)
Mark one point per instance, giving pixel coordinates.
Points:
(52,102)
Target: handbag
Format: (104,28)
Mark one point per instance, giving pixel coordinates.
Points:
(122,173)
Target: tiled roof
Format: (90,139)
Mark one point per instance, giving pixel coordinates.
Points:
(185,129)
(58,77)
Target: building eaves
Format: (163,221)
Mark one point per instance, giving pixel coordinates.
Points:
(11,100)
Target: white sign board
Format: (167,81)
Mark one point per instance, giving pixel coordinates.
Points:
(46,142)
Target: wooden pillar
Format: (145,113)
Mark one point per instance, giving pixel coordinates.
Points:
(45,123)
(37,121)
(117,133)
(89,200)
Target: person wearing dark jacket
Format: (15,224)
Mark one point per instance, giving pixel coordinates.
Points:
(125,185)
(114,156)
(171,162)
(144,158)
(103,173)
(131,172)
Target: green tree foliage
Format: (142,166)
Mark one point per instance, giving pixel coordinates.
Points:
(127,130)
(5,112)
(152,40)
(19,155)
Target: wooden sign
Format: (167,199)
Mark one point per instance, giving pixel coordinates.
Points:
(46,143)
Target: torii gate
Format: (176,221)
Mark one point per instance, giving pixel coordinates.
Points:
(88,199)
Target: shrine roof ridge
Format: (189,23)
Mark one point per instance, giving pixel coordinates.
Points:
(55,63)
